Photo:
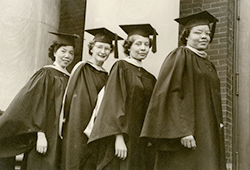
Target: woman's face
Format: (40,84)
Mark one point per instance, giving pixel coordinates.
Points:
(199,37)
(140,47)
(101,51)
(64,56)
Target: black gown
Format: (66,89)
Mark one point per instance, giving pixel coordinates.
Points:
(81,96)
(35,108)
(122,111)
(186,101)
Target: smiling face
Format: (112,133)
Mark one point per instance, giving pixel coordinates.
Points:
(199,37)
(140,47)
(64,56)
(101,52)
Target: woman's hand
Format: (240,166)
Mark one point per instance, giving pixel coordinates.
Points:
(41,143)
(120,147)
(188,141)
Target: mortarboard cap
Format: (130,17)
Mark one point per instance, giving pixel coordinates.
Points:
(201,18)
(105,36)
(65,38)
(144,30)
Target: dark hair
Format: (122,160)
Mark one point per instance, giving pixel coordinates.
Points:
(183,37)
(129,41)
(54,47)
(185,33)
(92,44)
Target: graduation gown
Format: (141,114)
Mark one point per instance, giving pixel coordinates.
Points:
(35,108)
(122,111)
(186,101)
(81,96)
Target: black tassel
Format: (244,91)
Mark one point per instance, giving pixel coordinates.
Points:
(212,31)
(154,42)
(116,47)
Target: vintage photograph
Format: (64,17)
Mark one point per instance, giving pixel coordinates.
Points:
(124,85)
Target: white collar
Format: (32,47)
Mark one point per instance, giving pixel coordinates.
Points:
(201,54)
(133,61)
(59,69)
(99,68)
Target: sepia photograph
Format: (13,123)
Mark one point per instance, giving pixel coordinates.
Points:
(124,85)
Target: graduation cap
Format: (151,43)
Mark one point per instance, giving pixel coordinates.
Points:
(144,30)
(64,38)
(105,36)
(201,18)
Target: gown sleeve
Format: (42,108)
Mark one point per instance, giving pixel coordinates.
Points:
(111,119)
(171,110)
(27,114)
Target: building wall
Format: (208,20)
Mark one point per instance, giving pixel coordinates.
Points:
(24,42)
(243,97)
(221,52)
(72,20)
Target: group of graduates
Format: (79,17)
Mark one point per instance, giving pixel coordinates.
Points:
(125,119)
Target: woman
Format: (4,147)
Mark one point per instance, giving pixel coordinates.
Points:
(121,114)
(87,80)
(184,117)
(30,123)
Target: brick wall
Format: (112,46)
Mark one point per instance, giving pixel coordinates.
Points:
(221,52)
(72,20)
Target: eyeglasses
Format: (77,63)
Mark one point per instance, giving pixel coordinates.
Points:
(106,49)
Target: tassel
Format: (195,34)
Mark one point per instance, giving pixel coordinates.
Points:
(116,47)
(212,31)
(154,42)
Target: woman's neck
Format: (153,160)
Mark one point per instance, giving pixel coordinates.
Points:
(200,53)
(134,61)
(97,65)
(59,66)
(95,62)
